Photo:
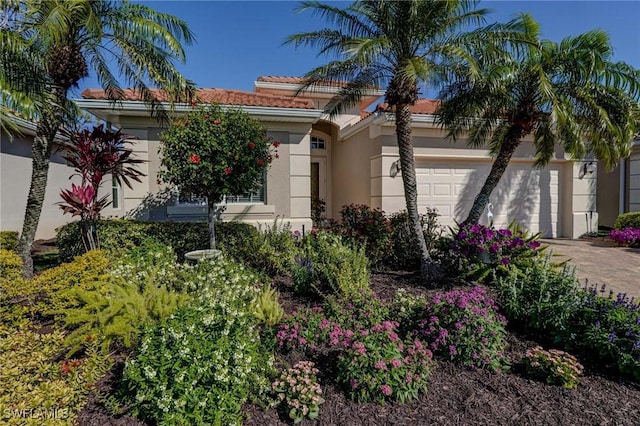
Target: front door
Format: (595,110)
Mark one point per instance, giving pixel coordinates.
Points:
(319,178)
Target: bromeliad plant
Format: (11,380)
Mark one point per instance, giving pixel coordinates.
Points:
(215,152)
(95,155)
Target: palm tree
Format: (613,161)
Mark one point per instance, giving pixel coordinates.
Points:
(403,46)
(67,38)
(568,93)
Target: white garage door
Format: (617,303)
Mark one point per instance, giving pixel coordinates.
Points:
(526,195)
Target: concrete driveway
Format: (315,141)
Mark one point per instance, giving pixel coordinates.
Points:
(601,262)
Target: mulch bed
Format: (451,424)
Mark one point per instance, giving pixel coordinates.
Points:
(456,396)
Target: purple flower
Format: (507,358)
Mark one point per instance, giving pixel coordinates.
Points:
(385,389)
(612,337)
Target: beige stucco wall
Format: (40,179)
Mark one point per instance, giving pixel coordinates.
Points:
(634,179)
(15,178)
(287,186)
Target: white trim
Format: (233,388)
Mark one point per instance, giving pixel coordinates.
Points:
(298,115)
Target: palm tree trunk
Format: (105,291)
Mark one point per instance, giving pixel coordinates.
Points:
(408,167)
(507,148)
(41,153)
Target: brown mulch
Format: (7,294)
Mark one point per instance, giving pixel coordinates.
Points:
(456,396)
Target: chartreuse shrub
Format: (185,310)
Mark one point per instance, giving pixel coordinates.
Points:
(9,240)
(327,266)
(201,364)
(554,367)
(477,252)
(464,326)
(36,389)
(298,389)
(627,220)
(542,298)
(141,288)
(10,265)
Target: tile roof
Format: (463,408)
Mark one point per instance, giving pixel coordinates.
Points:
(222,96)
(422,106)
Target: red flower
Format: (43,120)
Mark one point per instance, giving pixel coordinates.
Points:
(260,161)
(252,145)
(217,122)
(194,159)
(276,144)
(193,103)
(227,170)
(186,122)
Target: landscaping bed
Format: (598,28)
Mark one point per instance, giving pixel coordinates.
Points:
(455,396)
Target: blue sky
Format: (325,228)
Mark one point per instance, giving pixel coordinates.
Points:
(237,41)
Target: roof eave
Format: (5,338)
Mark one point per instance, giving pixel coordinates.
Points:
(294,87)
(103,108)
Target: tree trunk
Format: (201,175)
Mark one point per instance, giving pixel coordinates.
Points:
(508,147)
(212,224)
(51,118)
(408,168)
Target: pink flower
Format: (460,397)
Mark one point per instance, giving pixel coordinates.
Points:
(227,170)
(194,159)
(396,362)
(385,389)
(380,365)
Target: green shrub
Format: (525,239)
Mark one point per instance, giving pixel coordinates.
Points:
(464,326)
(9,240)
(10,266)
(541,298)
(363,226)
(33,382)
(404,254)
(628,220)
(327,266)
(554,367)
(201,364)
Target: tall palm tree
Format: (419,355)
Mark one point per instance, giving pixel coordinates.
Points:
(67,38)
(568,93)
(403,46)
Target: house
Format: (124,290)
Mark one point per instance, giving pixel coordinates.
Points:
(354,159)
(619,189)
(15,178)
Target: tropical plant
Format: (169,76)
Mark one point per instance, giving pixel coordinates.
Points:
(52,45)
(554,366)
(400,45)
(95,155)
(214,152)
(568,93)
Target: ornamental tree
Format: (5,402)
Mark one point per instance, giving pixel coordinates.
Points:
(213,152)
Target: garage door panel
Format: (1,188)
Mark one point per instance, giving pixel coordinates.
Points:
(529,196)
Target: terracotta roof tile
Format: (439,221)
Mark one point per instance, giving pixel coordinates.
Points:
(222,96)
(300,80)
(422,106)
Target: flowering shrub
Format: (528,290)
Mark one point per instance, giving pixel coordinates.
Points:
(626,237)
(379,366)
(407,308)
(363,226)
(201,364)
(298,388)
(609,330)
(554,366)
(475,251)
(404,254)
(465,327)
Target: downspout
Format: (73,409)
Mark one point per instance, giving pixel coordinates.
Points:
(623,187)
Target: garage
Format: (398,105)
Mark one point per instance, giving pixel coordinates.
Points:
(527,195)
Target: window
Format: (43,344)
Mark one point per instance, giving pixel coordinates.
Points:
(190,200)
(255,197)
(115,194)
(317,143)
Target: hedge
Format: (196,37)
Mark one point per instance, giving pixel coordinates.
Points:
(117,234)
(8,240)
(628,220)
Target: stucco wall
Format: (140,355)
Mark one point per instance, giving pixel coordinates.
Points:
(15,178)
